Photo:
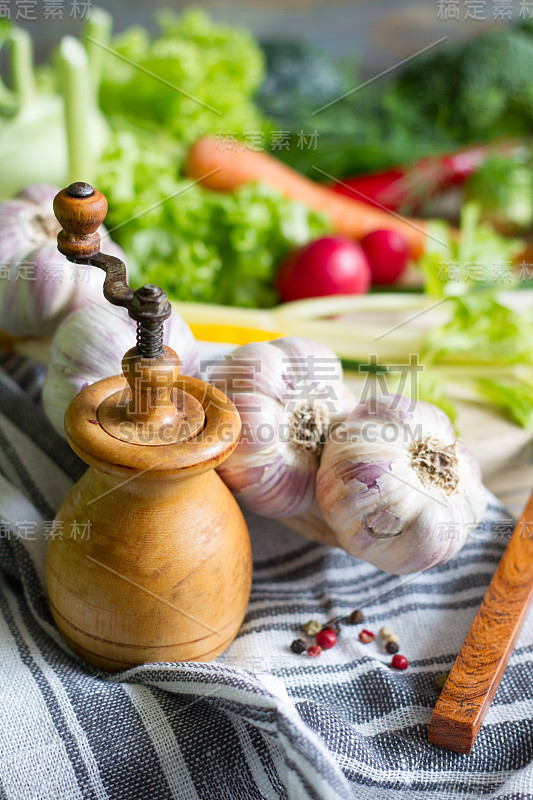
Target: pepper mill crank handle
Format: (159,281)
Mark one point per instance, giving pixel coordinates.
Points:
(116,288)
(80,210)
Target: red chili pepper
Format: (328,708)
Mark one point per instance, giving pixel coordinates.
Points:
(407,188)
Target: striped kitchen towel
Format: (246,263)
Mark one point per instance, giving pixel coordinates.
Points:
(259,722)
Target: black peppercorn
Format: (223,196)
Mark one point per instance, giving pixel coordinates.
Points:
(356,617)
(299,646)
(392,647)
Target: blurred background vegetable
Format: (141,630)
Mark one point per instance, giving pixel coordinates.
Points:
(388,255)
(45,118)
(330,265)
(152,97)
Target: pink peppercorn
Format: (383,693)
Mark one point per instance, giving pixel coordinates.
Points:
(366,636)
(399,662)
(326,638)
(314,650)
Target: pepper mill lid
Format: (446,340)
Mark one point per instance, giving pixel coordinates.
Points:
(151,418)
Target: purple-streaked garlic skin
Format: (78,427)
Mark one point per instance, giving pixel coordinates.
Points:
(384,504)
(247,369)
(288,392)
(270,483)
(89,345)
(38,286)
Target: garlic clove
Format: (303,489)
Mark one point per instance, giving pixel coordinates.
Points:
(308,360)
(313,371)
(42,194)
(274,484)
(288,392)
(256,367)
(265,473)
(261,420)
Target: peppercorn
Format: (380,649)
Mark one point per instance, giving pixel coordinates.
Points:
(385,632)
(312,627)
(399,662)
(326,638)
(299,646)
(366,636)
(357,617)
(314,650)
(391,647)
(441,679)
(334,626)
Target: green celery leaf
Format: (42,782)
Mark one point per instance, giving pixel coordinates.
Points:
(514,397)
(478,258)
(481,331)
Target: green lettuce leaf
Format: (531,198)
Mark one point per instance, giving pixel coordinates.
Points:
(198,245)
(196,77)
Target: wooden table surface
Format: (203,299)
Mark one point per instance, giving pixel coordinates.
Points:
(503,450)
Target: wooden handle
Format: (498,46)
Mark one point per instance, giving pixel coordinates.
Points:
(80,210)
(478,669)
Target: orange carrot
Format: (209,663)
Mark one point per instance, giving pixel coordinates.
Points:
(226,170)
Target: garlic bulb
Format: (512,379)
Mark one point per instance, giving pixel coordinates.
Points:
(90,344)
(38,286)
(396,486)
(288,392)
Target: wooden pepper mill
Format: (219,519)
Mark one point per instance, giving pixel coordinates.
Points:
(163,569)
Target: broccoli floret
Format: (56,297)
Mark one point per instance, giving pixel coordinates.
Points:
(475,90)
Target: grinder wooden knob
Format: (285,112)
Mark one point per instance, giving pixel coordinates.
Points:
(80,210)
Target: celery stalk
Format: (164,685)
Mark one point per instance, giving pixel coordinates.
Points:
(74,69)
(97,30)
(22,66)
(8,100)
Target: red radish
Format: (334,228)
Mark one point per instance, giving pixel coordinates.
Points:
(330,265)
(407,188)
(388,254)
